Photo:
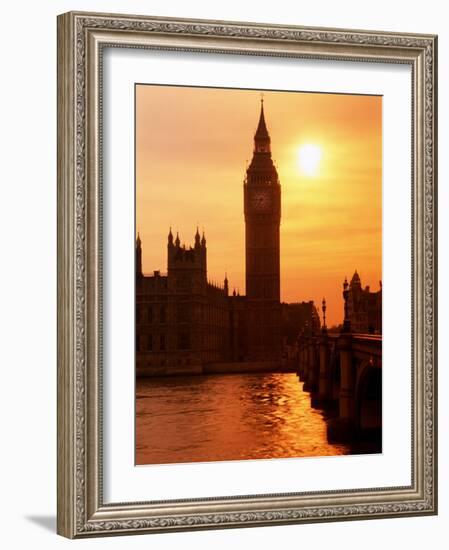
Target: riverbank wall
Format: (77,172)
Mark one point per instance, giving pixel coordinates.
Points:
(218,368)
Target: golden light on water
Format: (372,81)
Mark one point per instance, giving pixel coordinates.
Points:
(236,417)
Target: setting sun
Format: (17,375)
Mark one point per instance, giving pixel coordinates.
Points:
(309,157)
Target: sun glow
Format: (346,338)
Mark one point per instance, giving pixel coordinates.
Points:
(309,157)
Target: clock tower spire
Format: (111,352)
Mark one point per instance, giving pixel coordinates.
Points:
(262,208)
(262,137)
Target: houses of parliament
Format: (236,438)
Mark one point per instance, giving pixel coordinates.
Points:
(185,324)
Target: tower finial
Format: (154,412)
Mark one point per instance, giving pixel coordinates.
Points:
(262,137)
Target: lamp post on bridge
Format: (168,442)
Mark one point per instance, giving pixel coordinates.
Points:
(346,321)
(323,395)
(323,308)
(342,428)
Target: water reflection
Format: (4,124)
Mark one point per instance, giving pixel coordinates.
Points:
(227,417)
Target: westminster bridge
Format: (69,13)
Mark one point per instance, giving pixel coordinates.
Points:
(343,373)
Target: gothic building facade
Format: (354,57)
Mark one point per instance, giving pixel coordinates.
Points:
(364,307)
(184,323)
(262,208)
(182,320)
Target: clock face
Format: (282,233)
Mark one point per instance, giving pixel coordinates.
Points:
(260,201)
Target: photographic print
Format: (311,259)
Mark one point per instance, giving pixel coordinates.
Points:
(258,274)
(246,234)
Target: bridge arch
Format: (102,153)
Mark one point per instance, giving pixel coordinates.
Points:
(368,397)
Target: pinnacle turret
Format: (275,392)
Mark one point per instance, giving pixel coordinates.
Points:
(197,238)
(138,256)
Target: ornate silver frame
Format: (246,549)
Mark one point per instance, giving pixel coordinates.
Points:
(81,510)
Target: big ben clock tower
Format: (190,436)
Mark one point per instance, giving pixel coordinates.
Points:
(262,206)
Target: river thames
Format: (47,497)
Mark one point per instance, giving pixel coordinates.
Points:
(228,417)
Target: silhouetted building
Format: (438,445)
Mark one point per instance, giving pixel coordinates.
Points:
(364,307)
(183,322)
(299,318)
(262,206)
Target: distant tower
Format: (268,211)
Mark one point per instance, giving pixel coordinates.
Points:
(262,207)
(138,256)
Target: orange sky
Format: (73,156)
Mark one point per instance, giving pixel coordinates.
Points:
(192,145)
